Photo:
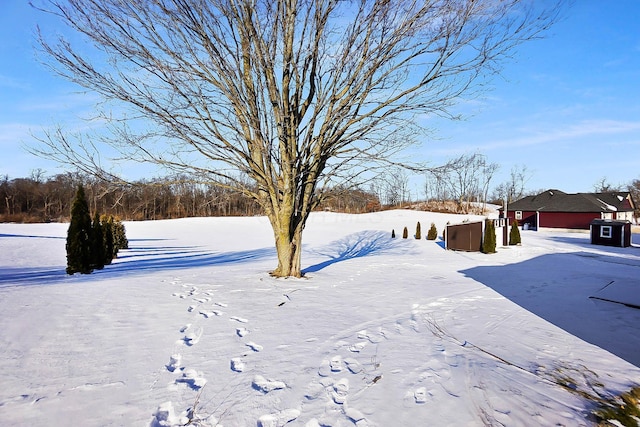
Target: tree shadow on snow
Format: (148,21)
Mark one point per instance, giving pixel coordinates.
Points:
(566,290)
(357,245)
(31,236)
(134,261)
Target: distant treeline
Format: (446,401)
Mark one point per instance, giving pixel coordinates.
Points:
(49,199)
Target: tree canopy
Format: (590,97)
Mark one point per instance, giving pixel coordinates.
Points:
(287,95)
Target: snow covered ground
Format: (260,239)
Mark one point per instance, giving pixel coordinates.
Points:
(381,332)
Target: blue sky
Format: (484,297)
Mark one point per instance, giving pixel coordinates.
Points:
(567,107)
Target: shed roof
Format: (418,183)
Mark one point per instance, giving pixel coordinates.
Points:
(559,201)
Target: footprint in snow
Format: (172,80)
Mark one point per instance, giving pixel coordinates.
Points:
(238,319)
(353,365)
(241,332)
(193,337)
(253,346)
(185,328)
(420,395)
(210,313)
(265,385)
(278,419)
(192,378)
(340,390)
(237,365)
(174,362)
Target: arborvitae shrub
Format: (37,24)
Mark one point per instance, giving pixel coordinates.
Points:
(97,244)
(119,235)
(514,235)
(79,235)
(489,240)
(405,233)
(432,234)
(393,233)
(418,235)
(107,228)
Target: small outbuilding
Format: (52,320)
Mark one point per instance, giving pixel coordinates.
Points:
(464,237)
(610,233)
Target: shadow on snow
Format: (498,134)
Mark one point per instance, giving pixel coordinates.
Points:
(133,261)
(357,245)
(142,259)
(569,290)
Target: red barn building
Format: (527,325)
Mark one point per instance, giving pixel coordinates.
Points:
(556,209)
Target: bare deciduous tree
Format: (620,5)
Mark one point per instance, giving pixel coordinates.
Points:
(293,94)
(514,188)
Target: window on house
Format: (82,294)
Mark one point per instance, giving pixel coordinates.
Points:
(606,231)
(518,215)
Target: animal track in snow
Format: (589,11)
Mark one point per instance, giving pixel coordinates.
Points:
(241,332)
(238,319)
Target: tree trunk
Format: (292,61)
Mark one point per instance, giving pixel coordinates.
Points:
(287,230)
(289,251)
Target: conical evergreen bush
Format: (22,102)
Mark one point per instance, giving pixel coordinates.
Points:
(405,233)
(432,234)
(514,235)
(418,235)
(79,235)
(393,233)
(119,235)
(97,244)
(489,238)
(109,248)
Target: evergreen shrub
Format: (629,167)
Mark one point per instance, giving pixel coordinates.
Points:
(514,235)
(405,233)
(489,238)
(418,235)
(79,236)
(432,234)
(97,244)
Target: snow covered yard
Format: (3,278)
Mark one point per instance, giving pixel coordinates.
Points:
(382,332)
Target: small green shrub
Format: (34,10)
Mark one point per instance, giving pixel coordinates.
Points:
(418,235)
(514,235)
(489,238)
(393,234)
(432,234)
(405,233)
